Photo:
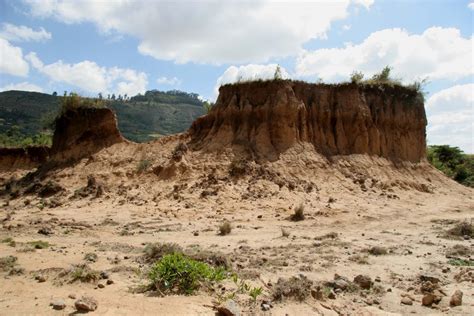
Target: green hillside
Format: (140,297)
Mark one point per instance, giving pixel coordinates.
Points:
(24,115)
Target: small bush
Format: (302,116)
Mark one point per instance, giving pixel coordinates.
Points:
(459,250)
(298,214)
(91,257)
(357,77)
(156,251)
(462,229)
(9,241)
(83,273)
(7,263)
(378,251)
(225,228)
(143,165)
(39,244)
(176,273)
(297,288)
(461,263)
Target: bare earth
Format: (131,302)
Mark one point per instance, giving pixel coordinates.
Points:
(350,204)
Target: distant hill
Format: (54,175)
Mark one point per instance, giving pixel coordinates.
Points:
(141,118)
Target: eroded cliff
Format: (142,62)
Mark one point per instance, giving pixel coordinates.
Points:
(267,118)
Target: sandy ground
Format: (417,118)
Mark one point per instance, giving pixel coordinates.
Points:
(350,207)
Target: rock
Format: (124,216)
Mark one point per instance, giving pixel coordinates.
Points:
(40,278)
(317,294)
(45,231)
(332,295)
(109,282)
(428,299)
(265,307)
(104,275)
(363,281)
(58,304)
(229,308)
(406,301)
(456,299)
(72,296)
(100,285)
(340,284)
(86,304)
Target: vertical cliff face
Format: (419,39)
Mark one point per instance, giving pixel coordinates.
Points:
(82,132)
(22,158)
(267,118)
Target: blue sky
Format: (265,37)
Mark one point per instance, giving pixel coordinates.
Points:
(133,46)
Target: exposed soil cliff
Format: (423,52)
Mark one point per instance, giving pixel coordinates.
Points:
(22,158)
(267,118)
(82,132)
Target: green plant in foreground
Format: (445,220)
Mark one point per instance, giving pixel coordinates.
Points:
(177,273)
(461,263)
(255,292)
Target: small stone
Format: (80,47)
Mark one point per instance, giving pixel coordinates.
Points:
(456,299)
(40,278)
(340,284)
(317,294)
(45,231)
(86,304)
(259,216)
(58,304)
(104,275)
(109,282)
(229,308)
(332,295)
(428,299)
(265,307)
(363,281)
(406,301)
(100,285)
(196,233)
(72,296)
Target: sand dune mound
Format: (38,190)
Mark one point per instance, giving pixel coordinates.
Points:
(267,118)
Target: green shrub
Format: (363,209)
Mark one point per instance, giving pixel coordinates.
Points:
(176,273)
(453,162)
(74,101)
(357,76)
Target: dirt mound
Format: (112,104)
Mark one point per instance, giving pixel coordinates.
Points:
(267,118)
(82,132)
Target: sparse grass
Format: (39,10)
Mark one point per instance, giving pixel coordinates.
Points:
(225,228)
(360,259)
(296,287)
(143,165)
(298,214)
(39,244)
(9,241)
(461,262)
(155,251)
(83,273)
(462,229)
(459,250)
(177,273)
(285,232)
(7,263)
(378,251)
(255,292)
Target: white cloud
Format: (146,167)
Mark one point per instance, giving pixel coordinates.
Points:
(249,73)
(11,60)
(168,81)
(92,78)
(23,33)
(22,86)
(471,5)
(451,117)
(213,32)
(437,53)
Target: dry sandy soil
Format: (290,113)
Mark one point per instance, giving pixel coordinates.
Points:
(156,193)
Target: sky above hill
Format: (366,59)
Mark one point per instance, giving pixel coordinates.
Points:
(128,47)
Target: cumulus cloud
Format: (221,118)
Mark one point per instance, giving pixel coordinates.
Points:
(471,5)
(23,33)
(249,72)
(168,81)
(451,117)
(213,32)
(22,86)
(92,78)
(11,60)
(437,53)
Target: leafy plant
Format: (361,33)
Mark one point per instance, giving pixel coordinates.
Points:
(178,273)
(255,292)
(357,76)
(461,262)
